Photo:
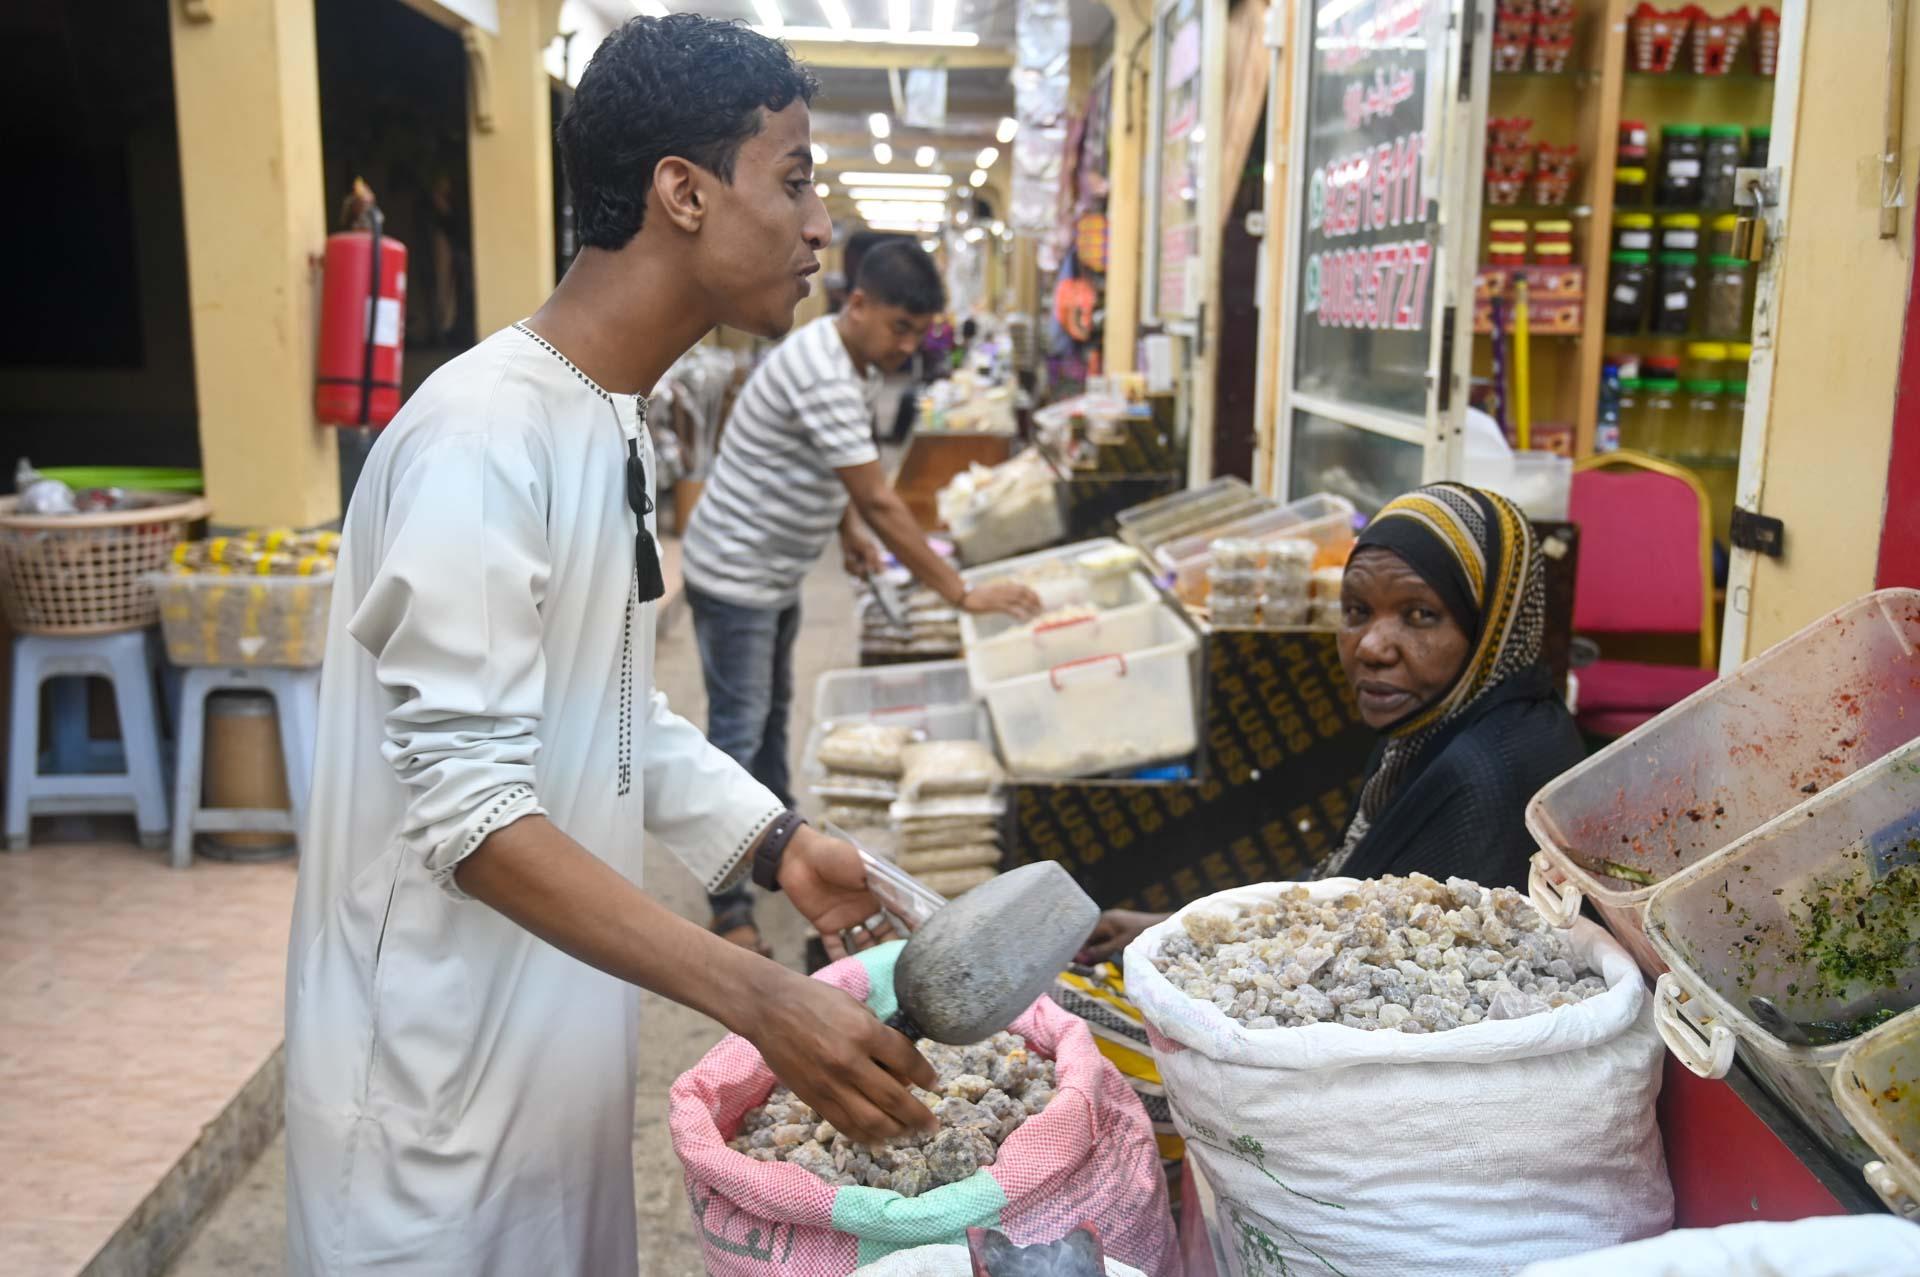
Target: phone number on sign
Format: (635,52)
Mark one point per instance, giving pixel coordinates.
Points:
(1375,286)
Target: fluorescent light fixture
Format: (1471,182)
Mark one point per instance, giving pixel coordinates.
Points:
(975,235)
(896,179)
(943,11)
(1008,127)
(918,195)
(962,217)
(873,35)
(898,209)
(925,156)
(819,153)
(769,11)
(901,228)
(977,178)
(987,157)
(928,245)
(882,153)
(900,15)
(821,189)
(882,127)
(999,227)
(836,13)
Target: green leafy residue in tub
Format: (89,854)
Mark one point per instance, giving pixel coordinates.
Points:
(1857,935)
(1827,1032)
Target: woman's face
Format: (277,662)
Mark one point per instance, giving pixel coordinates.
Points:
(1400,647)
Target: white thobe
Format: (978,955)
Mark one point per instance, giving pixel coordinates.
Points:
(460,1094)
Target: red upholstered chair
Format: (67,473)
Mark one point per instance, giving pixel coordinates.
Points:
(1646,567)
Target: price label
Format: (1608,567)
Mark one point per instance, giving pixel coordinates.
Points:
(1626,294)
(1632,240)
(1678,301)
(1683,240)
(1683,168)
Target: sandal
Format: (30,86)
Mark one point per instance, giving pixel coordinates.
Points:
(736,926)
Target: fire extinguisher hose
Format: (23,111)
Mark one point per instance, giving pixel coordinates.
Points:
(376,221)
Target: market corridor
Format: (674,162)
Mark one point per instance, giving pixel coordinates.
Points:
(243,1236)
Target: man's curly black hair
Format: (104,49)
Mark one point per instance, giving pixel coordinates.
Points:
(682,85)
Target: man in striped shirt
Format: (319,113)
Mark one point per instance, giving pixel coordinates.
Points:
(798,462)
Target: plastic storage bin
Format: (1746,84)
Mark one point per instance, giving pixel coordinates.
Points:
(243,620)
(1034,648)
(934,697)
(1055,575)
(1809,711)
(1877,1086)
(1178,505)
(1818,911)
(1321,517)
(1101,713)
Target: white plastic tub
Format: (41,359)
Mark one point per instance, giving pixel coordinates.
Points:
(1787,725)
(933,698)
(1055,575)
(1104,711)
(1824,886)
(1036,648)
(1877,1087)
(1320,517)
(1175,506)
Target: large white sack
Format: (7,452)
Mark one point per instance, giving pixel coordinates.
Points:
(949,1261)
(1474,1151)
(1834,1246)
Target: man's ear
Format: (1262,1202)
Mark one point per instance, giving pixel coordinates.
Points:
(678,185)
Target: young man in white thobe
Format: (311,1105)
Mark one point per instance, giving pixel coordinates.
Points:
(470,940)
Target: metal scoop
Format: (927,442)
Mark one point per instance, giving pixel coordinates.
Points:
(982,960)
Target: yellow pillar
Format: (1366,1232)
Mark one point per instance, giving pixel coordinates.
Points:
(1126,170)
(1026,276)
(247,105)
(510,157)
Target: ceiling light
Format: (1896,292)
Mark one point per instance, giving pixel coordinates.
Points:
(819,153)
(900,15)
(961,218)
(652,8)
(882,153)
(882,127)
(836,11)
(943,14)
(925,156)
(896,179)
(919,195)
(987,156)
(901,228)
(977,178)
(873,35)
(1008,127)
(898,208)
(928,245)
(975,235)
(821,189)
(769,11)
(999,227)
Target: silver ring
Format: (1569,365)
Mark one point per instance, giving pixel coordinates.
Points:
(866,930)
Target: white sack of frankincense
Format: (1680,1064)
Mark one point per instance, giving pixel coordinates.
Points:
(1404,1076)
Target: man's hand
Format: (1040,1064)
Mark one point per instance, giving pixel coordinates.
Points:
(837,1057)
(1116,929)
(859,555)
(827,881)
(1011,597)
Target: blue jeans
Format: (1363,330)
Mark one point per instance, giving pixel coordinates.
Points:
(746,656)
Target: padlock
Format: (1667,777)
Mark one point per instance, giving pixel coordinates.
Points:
(1750,239)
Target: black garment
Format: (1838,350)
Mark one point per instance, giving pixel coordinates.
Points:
(1460,810)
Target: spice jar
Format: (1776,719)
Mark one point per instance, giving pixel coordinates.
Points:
(1662,415)
(1705,361)
(1628,290)
(1733,420)
(1632,425)
(1679,280)
(1629,187)
(1633,233)
(1759,141)
(1739,355)
(1552,233)
(1726,297)
(1682,150)
(1660,368)
(1680,233)
(1632,148)
(1720,234)
(1702,421)
(1508,231)
(1722,158)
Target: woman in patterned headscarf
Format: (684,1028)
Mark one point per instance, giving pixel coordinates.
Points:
(1444,606)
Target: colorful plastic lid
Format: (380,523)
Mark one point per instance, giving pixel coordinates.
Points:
(1725,130)
(1660,385)
(1507,250)
(1741,350)
(1631,175)
(1553,226)
(1715,351)
(1630,383)
(1726,221)
(1508,225)
(1736,387)
(1760,130)
(1553,250)
(1667,365)
(1631,259)
(1633,221)
(1723,259)
(1677,259)
(1706,386)
(1680,221)
(1682,130)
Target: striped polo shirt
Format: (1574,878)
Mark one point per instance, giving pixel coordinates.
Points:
(773,501)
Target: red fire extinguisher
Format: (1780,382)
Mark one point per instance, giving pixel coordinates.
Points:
(363,303)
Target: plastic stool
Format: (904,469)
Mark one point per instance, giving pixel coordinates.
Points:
(74,784)
(296,696)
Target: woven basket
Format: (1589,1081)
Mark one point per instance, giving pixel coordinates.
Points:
(86,573)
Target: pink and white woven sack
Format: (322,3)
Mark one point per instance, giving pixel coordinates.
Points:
(1088,1156)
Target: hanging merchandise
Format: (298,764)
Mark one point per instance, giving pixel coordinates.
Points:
(1090,241)
(363,301)
(926,98)
(1043,32)
(1717,40)
(1657,37)
(1074,301)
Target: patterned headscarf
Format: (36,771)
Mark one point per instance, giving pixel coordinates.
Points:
(1478,552)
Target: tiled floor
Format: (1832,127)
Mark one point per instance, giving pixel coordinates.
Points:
(135,1001)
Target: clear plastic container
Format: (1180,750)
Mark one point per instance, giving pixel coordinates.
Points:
(1237,554)
(1057,577)
(1628,292)
(1148,525)
(1662,415)
(1680,233)
(1673,294)
(1877,1086)
(1733,421)
(1683,787)
(1703,420)
(1284,607)
(1226,584)
(243,620)
(932,697)
(1632,416)
(1724,145)
(1633,233)
(1727,303)
(1031,648)
(1229,612)
(1122,708)
(1321,518)
(1175,504)
(1833,883)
